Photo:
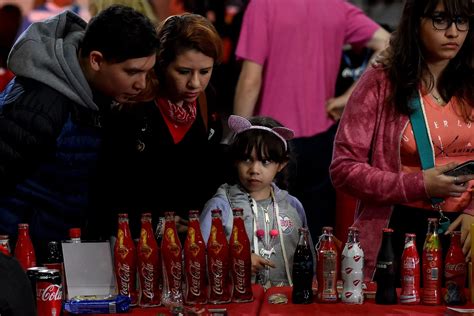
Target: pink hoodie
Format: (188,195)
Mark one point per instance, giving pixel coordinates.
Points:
(366,161)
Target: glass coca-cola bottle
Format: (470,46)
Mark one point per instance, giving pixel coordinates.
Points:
(432,265)
(410,272)
(352,266)
(241,263)
(195,262)
(24,251)
(171,253)
(149,264)
(303,270)
(455,272)
(5,245)
(327,267)
(385,271)
(125,260)
(218,261)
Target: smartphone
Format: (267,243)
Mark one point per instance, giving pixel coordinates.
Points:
(462,169)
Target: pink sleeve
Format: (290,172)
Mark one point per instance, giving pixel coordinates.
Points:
(359,27)
(351,170)
(253,39)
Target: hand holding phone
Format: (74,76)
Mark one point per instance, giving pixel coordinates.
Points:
(466,168)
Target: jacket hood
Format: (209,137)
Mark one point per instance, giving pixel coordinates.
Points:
(48,52)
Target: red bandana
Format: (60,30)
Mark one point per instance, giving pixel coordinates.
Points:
(178,118)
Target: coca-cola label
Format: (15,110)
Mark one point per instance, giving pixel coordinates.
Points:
(217,268)
(195,272)
(52,292)
(239,272)
(124,278)
(348,294)
(455,267)
(356,282)
(176,271)
(148,275)
(357,258)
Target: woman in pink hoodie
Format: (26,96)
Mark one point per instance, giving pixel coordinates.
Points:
(375,155)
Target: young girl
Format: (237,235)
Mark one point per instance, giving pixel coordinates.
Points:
(272,216)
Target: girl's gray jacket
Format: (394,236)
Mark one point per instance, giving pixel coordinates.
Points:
(291,217)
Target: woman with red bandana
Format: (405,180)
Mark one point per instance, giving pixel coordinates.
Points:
(167,148)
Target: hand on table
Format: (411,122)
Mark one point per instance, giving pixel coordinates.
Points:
(259,262)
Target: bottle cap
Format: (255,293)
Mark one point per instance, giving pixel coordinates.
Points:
(23,225)
(387,230)
(75,232)
(328,228)
(353,228)
(3,237)
(216,211)
(410,235)
(194,212)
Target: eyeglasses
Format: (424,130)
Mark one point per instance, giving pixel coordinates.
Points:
(442,22)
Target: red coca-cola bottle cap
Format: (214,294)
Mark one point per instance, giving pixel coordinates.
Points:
(23,225)
(410,235)
(75,232)
(387,230)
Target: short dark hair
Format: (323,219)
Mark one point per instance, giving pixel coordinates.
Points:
(120,33)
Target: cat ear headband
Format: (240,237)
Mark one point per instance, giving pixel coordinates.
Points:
(240,124)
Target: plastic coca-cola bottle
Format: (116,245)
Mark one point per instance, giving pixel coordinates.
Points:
(385,271)
(455,272)
(327,267)
(149,264)
(432,265)
(125,260)
(241,263)
(195,262)
(352,266)
(5,245)
(218,261)
(410,272)
(303,270)
(171,254)
(24,251)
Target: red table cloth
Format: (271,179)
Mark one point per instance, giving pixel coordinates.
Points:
(339,309)
(244,309)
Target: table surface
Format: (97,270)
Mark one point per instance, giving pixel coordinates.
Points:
(244,309)
(368,308)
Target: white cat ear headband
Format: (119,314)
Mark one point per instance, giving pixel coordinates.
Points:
(239,124)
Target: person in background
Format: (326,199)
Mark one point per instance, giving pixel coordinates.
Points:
(68,74)
(289,72)
(51,8)
(10,19)
(260,151)
(142,6)
(376,157)
(167,147)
